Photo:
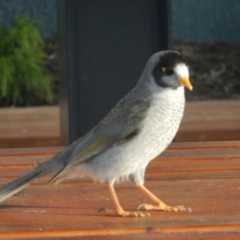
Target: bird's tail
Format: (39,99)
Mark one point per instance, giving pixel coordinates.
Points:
(18,184)
(57,162)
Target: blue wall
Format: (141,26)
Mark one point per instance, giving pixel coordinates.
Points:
(195,20)
(44,10)
(206,20)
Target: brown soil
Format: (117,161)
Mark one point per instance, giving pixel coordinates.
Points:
(214,68)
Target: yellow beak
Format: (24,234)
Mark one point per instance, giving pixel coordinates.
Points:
(186,83)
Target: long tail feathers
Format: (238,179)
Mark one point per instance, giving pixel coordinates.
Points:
(18,184)
(57,162)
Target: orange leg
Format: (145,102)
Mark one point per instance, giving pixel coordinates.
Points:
(160,205)
(119,209)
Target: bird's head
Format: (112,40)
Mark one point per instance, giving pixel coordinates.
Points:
(169,69)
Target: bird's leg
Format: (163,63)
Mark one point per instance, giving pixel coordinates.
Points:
(160,205)
(119,209)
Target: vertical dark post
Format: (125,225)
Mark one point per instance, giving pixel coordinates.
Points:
(103,48)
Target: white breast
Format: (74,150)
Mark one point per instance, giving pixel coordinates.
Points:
(158,130)
(163,120)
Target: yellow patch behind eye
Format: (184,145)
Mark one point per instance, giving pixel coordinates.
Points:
(164,69)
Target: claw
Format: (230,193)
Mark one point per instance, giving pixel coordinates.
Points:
(183,208)
(133,214)
(163,208)
(101,210)
(110,212)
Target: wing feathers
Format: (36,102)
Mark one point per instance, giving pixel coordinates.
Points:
(122,124)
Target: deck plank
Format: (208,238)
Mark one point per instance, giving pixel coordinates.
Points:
(29,127)
(210,121)
(203,176)
(40,126)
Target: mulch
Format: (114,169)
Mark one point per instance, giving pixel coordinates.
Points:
(214,68)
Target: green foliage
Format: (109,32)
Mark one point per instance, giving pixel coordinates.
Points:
(22,78)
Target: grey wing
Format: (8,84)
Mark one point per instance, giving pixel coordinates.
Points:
(120,125)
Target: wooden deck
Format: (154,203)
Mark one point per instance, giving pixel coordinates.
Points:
(40,126)
(210,121)
(204,176)
(29,127)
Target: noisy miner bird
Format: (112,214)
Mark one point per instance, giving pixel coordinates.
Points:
(141,125)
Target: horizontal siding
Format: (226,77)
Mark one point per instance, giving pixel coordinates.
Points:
(206,20)
(43,10)
(194,20)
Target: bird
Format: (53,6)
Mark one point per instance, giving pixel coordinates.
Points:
(119,148)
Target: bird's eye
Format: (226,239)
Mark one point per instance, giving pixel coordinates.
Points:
(166,71)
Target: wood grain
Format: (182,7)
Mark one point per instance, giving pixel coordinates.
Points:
(40,126)
(29,127)
(210,121)
(204,176)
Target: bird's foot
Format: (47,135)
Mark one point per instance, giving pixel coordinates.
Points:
(122,213)
(164,207)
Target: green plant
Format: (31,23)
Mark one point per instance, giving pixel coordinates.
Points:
(22,78)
